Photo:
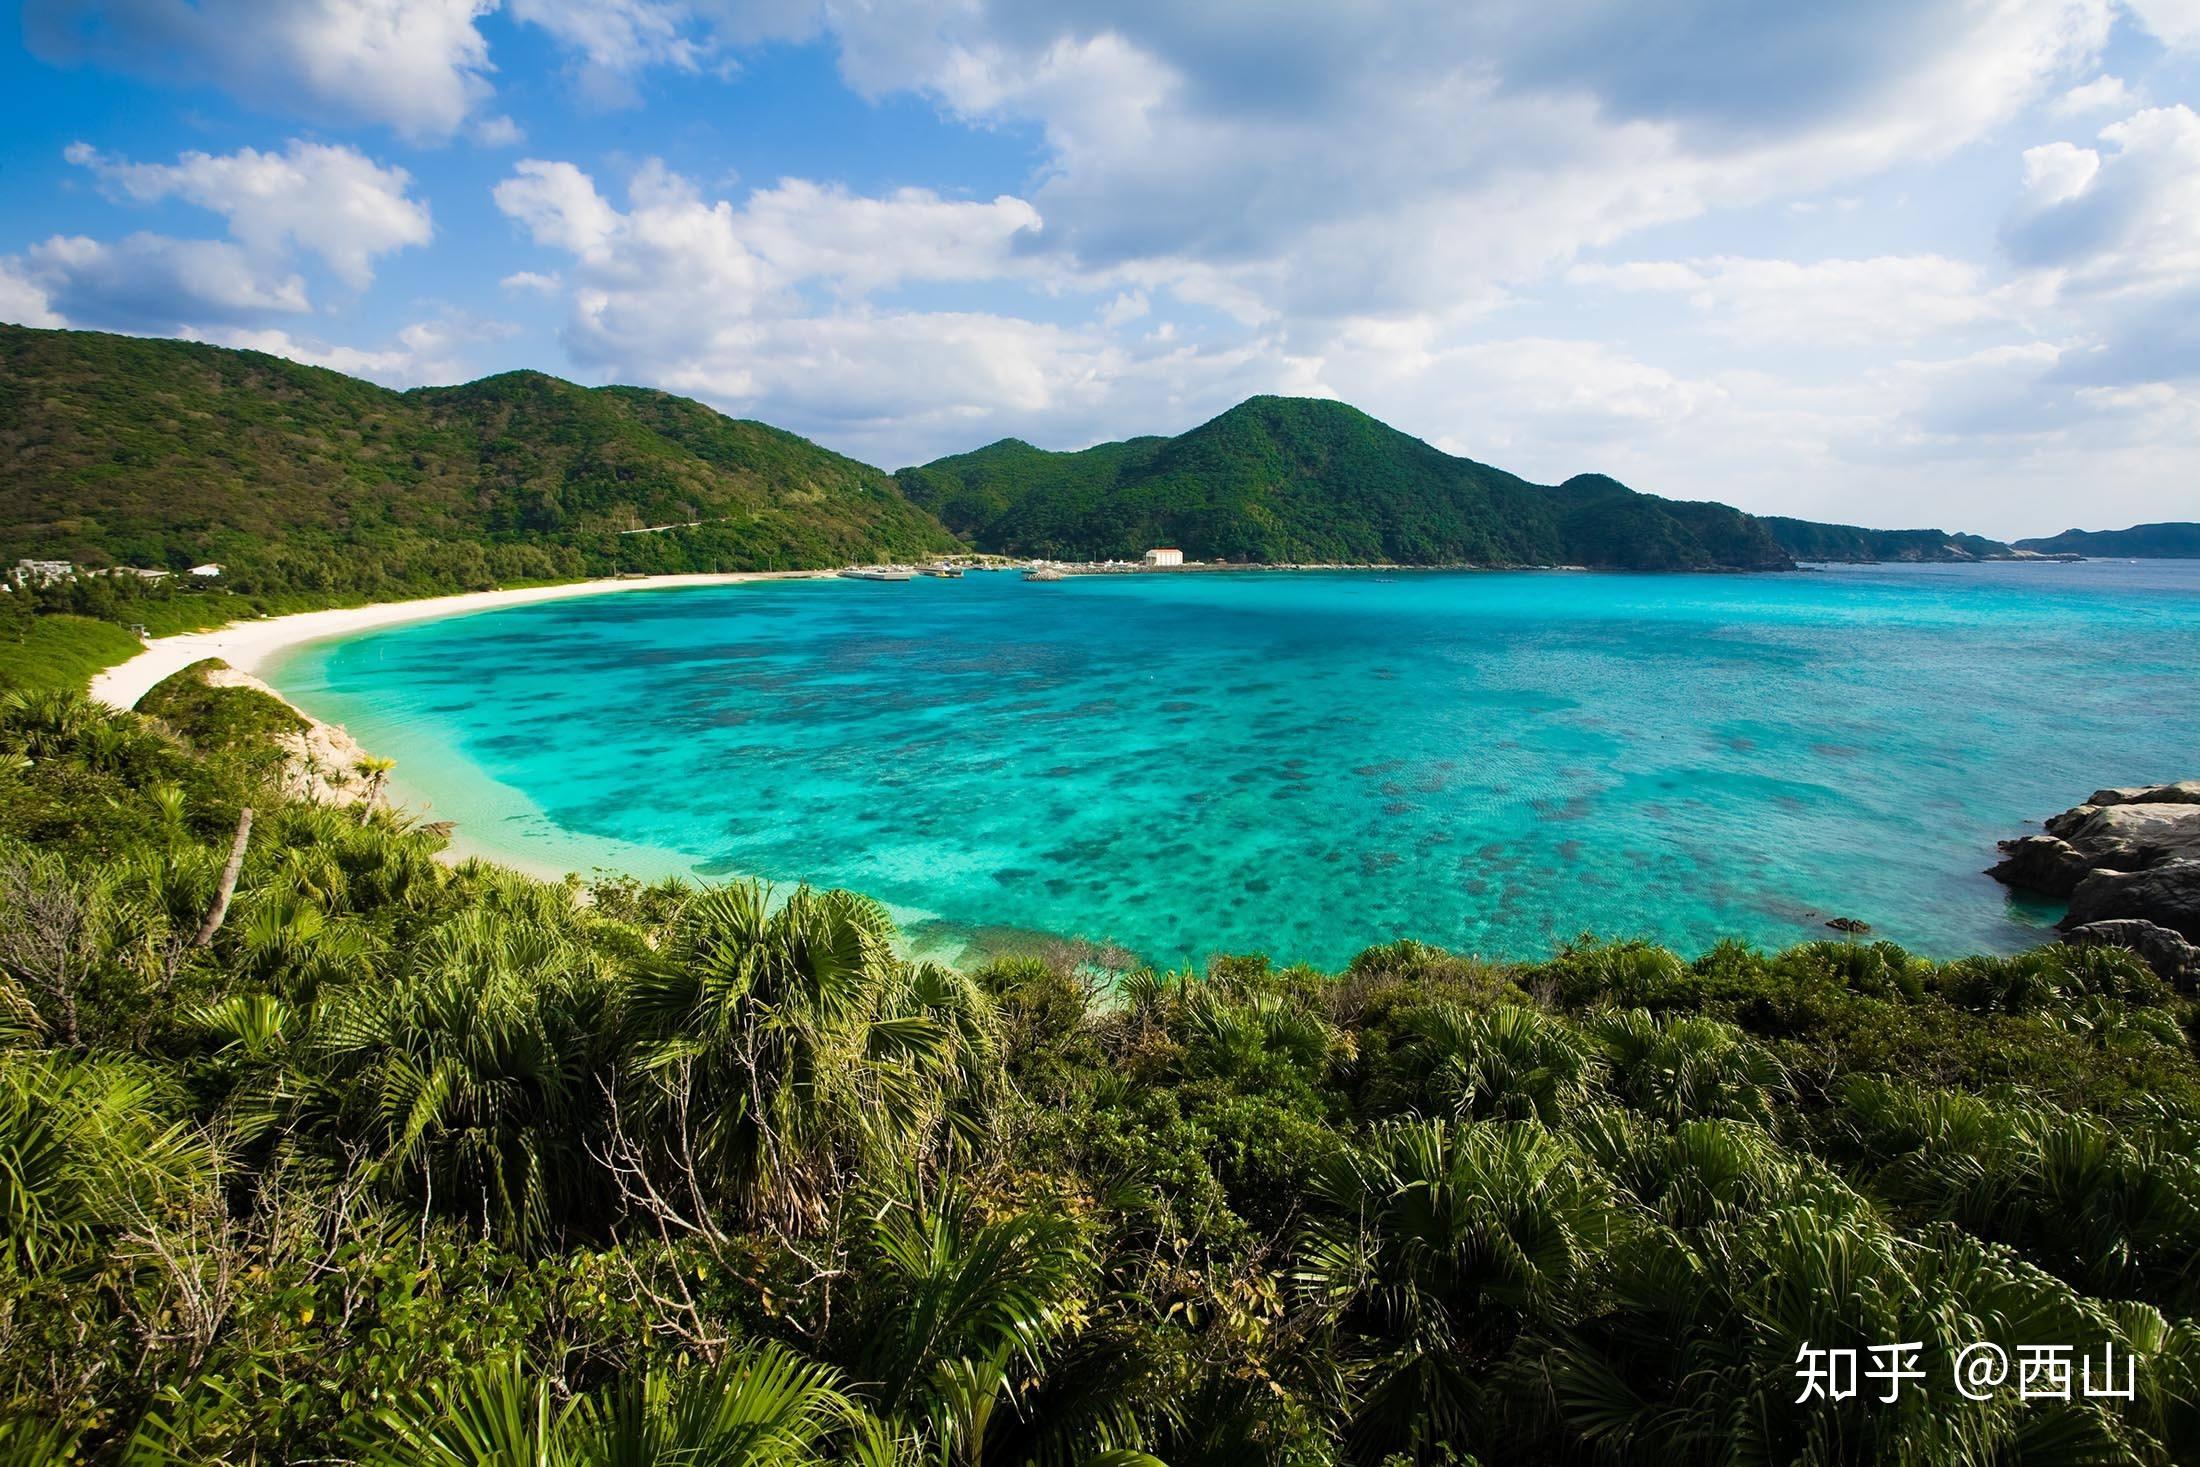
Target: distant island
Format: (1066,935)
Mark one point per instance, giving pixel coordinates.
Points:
(2174,540)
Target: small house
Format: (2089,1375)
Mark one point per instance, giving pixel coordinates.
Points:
(1164,556)
(209,571)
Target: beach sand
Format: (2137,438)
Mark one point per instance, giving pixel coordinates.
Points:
(248,645)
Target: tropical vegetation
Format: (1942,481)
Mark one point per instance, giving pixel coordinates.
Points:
(316,1146)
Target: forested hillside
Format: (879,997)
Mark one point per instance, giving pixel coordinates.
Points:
(165,454)
(1280,479)
(2174,540)
(1809,540)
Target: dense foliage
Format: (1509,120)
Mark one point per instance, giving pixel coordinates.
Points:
(165,454)
(408,1162)
(1806,540)
(2174,540)
(1307,480)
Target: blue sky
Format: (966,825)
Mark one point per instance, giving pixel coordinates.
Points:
(1895,262)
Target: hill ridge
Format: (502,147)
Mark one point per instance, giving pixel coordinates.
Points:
(164,453)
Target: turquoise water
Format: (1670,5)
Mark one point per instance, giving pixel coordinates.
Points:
(1307,763)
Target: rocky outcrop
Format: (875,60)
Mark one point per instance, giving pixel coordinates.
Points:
(321,762)
(2183,792)
(2167,895)
(2046,864)
(2128,862)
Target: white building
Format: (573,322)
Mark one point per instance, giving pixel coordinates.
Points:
(38,572)
(1164,556)
(206,570)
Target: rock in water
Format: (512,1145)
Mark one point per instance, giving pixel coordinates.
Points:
(2042,863)
(2127,855)
(2165,952)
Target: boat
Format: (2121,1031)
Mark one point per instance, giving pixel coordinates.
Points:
(944,572)
(878,573)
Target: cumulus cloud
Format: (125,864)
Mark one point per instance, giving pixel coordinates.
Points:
(419,67)
(330,200)
(2102,94)
(700,295)
(498,131)
(614,40)
(23,301)
(149,282)
(2122,217)
(422,353)
(1333,161)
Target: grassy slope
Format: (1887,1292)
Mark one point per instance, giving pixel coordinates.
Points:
(62,652)
(1297,479)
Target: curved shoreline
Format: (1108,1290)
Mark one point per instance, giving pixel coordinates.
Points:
(248,645)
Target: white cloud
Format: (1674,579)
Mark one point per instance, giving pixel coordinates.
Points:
(2102,94)
(1890,298)
(150,282)
(498,131)
(417,66)
(2175,23)
(1334,161)
(2122,218)
(1130,306)
(559,205)
(535,280)
(333,201)
(23,302)
(863,244)
(615,39)
(423,353)
(676,261)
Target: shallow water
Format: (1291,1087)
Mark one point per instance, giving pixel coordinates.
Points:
(1307,763)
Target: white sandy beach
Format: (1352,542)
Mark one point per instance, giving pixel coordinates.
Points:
(247,645)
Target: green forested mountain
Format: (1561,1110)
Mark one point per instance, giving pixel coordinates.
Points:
(1808,540)
(2173,540)
(1306,479)
(166,453)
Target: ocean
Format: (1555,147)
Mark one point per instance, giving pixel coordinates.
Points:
(1307,763)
